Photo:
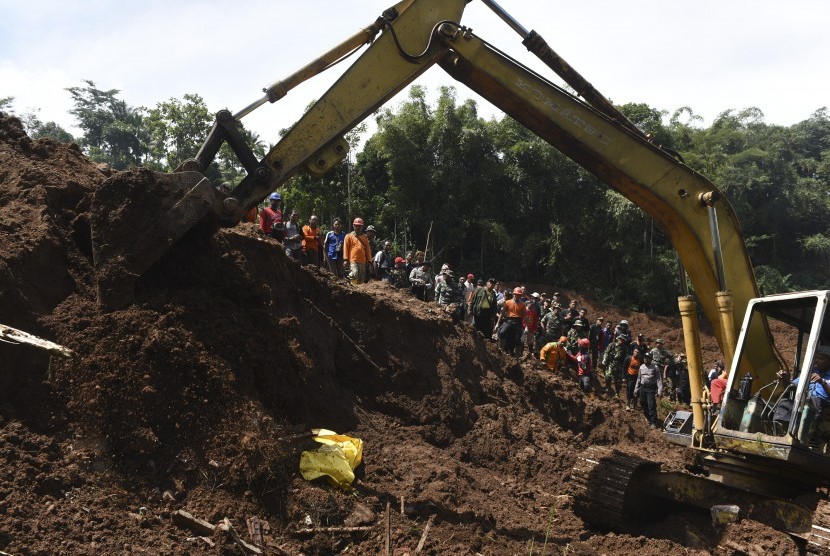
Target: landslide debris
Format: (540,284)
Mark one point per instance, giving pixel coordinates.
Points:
(195,398)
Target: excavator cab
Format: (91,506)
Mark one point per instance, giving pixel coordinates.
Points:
(767,410)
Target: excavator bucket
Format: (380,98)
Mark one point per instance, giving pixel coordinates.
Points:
(136,217)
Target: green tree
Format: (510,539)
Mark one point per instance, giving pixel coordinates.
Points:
(176,130)
(38,129)
(114,132)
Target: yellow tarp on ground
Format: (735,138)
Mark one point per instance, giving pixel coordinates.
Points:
(336,459)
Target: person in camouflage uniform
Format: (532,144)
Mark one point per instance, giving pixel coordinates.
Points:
(612,364)
(664,359)
(579,331)
(449,294)
(551,325)
(541,336)
(574,335)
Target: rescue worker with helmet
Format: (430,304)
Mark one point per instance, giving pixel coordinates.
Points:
(584,365)
(554,355)
(270,218)
(356,252)
(511,319)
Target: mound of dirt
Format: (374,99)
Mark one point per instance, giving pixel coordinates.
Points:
(198,395)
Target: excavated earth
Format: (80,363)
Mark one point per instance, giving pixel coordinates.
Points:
(197,397)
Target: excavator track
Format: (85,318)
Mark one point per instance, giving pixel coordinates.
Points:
(601,480)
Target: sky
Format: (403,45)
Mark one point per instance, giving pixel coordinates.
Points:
(710,55)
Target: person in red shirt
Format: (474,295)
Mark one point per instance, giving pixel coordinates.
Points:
(311,242)
(718,387)
(270,218)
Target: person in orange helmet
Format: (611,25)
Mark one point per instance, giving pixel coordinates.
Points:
(356,252)
(511,319)
(554,354)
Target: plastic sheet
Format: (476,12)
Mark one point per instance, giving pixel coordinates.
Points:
(336,459)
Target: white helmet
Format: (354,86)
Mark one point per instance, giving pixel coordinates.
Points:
(625,322)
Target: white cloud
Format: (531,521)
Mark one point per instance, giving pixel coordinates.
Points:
(708,55)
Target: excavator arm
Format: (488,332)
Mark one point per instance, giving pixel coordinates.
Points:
(679,199)
(392,62)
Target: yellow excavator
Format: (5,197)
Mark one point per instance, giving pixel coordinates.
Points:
(755,456)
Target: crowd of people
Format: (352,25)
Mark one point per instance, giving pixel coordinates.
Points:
(604,357)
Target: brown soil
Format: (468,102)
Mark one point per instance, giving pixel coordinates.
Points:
(193,397)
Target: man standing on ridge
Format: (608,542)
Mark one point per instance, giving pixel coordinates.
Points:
(421,281)
(270,218)
(356,252)
(512,316)
(311,242)
(383,262)
(333,248)
(293,237)
(649,386)
(483,308)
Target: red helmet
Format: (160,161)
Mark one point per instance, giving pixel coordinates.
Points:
(399,260)
(357,222)
(517,291)
(584,342)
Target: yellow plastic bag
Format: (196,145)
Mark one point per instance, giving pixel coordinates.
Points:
(336,459)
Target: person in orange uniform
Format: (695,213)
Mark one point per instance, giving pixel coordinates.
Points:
(356,252)
(311,242)
(512,316)
(553,354)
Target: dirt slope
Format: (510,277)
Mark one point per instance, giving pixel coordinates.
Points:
(193,398)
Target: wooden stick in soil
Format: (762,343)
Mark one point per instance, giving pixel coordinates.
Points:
(387,545)
(423,540)
(255,531)
(333,323)
(313,530)
(426,247)
(15,336)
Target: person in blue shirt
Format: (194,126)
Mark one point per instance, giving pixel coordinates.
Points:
(819,387)
(333,248)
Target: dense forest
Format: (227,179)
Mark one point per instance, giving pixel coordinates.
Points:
(494,199)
